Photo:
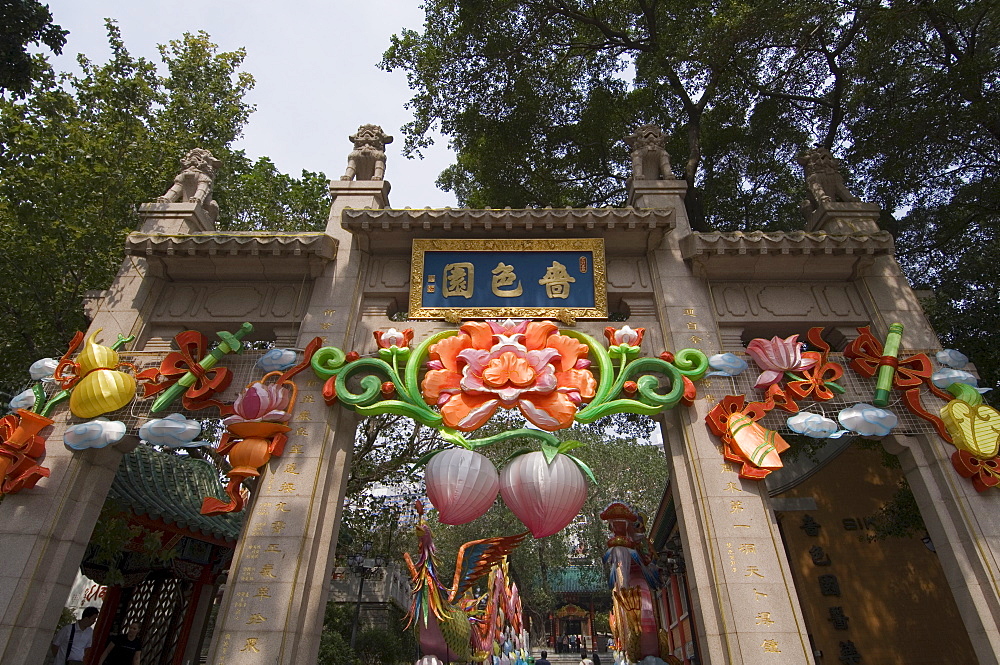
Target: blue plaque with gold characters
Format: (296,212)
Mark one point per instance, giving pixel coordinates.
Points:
(545,279)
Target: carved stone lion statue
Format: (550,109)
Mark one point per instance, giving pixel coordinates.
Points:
(824,184)
(194,183)
(650,160)
(367,160)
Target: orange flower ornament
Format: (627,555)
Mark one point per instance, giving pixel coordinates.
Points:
(527,365)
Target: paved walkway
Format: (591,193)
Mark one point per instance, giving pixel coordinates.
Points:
(565,658)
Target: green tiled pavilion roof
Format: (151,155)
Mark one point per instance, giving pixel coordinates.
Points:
(578,579)
(170,488)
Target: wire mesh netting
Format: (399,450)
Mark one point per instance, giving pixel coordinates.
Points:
(857,388)
(138,411)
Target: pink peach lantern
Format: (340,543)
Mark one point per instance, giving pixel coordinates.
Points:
(462,484)
(544,496)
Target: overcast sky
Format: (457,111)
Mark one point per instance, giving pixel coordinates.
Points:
(315,66)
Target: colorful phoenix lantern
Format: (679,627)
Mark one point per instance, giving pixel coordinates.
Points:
(633,580)
(451,626)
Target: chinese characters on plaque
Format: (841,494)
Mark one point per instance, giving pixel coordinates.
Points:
(527,278)
(460,281)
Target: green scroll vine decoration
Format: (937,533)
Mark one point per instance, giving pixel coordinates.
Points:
(391,384)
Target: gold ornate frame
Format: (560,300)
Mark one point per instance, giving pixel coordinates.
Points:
(455,314)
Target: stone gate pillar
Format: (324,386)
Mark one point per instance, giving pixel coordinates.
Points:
(44,531)
(275,597)
(745,606)
(964,525)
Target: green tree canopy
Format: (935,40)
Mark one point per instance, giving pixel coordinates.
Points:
(536,95)
(82,150)
(24,22)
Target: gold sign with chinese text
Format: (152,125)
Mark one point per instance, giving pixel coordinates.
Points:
(466,279)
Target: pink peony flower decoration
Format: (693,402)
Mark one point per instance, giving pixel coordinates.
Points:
(776,357)
(509,364)
(260,402)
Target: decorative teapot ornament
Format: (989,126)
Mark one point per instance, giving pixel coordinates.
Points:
(98,385)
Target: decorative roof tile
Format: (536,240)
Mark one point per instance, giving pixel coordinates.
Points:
(170,488)
(448,219)
(394,230)
(231,244)
(234,256)
(786,242)
(578,579)
(791,255)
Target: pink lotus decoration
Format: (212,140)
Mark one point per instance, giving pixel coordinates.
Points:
(776,357)
(624,335)
(389,338)
(511,364)
(261,403)
(462,484)
(545,497)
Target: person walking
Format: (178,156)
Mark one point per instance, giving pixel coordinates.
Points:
(584,660)
(124,649)
(72,643)
(544,660)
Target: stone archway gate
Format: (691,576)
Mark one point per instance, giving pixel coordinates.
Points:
(687,289)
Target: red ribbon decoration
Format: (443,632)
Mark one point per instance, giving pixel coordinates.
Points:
(911,398)
(985,473)
(816,378)
(192,348)
(866,357)
(67,372)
